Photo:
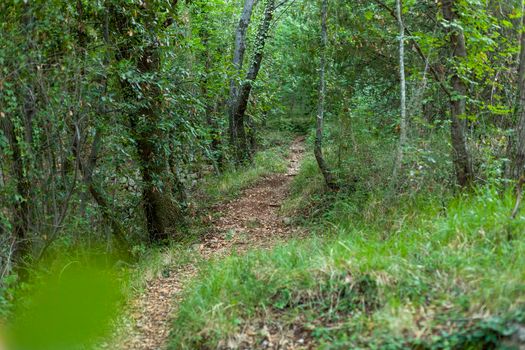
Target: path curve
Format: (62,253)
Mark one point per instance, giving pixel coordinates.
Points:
(250,221)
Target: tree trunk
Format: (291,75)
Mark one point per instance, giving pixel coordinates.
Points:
(88,167)
(517,144)
(161,212)
(87,170)
(215,132)
(435,73)
(22,246)
(19,162)
(461,157)
(155,200)
(238,59)
(403,122)
(241,104)
(318,147)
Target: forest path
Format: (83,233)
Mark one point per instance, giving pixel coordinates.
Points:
(250,221)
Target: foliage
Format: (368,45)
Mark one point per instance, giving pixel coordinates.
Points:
(115,139)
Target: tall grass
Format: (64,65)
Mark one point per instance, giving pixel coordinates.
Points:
(422,273)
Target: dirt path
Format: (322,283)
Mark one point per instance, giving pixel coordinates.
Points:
(248,222)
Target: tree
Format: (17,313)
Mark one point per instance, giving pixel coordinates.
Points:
(238,59)
(402,82)
(141,91)
(318,149)
(242,151)
(22,245)
(19,141)
(461,156)
(206,55)
(88,166)
(517,144)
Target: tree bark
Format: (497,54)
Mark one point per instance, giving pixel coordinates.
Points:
(22,246)
(155,200)
(238,59)
(318,147)
(241,104)
(87,176)
(461,157)
(517,144)
(403,108)
(216,156)
(162,214)
(87,167)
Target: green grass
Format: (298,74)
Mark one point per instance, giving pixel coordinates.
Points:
(399,275)
(229,184)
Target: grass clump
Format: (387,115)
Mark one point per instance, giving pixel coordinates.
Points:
(440,277)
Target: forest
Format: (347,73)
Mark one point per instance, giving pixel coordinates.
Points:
(262,174)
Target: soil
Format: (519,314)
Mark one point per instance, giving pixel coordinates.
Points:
(250,221)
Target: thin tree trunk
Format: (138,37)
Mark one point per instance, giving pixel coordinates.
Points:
(437,76)
(517,145)
(238,59)
(155,199)
(403,122)
(318,149)
(461,157)
(87,170)
(22,245)
(241,144)
(215,134)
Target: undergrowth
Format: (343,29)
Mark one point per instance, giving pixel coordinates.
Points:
(129,272)
(405,273)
